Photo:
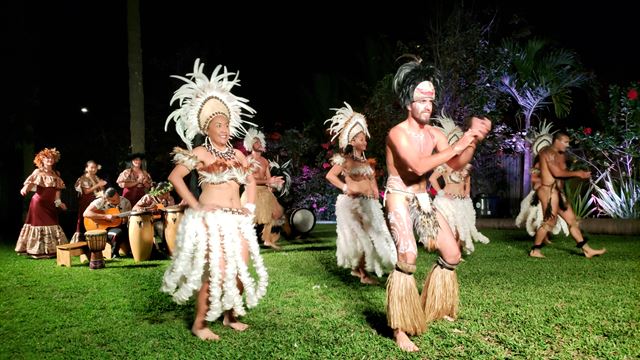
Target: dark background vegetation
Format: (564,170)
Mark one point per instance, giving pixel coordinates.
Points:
(295,63)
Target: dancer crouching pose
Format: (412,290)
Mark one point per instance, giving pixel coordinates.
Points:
(215,237)
(364,243)
(410,155)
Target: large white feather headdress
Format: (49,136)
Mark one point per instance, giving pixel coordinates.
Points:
(346,124)
(449,128)
(202,98)
(252,135)
(542,137)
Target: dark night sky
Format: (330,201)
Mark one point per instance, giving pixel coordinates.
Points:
(68,54)
(79,48)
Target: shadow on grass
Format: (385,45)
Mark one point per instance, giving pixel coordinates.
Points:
(378,322)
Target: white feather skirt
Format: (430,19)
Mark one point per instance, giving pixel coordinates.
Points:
(362,230)
(461,217)
(205,239)
(532,217)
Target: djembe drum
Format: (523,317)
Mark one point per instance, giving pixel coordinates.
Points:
(141,235)
(96,240)
(173,215)
(299,222)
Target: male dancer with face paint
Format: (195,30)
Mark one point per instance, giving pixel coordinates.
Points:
(413,149)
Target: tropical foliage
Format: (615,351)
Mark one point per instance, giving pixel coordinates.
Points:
(613,154)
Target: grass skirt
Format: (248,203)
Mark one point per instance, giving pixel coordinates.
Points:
(440,294)
(204,240)
(404,311)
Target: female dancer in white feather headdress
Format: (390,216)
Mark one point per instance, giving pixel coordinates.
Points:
(531,215)
(269,212)
(453,200)
(215,237)
(364,243)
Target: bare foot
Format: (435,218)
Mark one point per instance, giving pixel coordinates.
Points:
(368,280)
(546,241)
(356,273)
(404,342)
(232,322)
(448,318)
(204,333)
(589,252)
(536,254)
(271,245)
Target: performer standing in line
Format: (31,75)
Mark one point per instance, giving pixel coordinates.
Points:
(215,237)
(41,232)
(364,243)
(89,187)
(454,200)
(410,155)
(269,212)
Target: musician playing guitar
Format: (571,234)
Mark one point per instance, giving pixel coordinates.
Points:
(156,201)
(107,212)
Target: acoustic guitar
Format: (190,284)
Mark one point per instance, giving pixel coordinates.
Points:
(91,224)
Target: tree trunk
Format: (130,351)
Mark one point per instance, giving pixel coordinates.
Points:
(136,93)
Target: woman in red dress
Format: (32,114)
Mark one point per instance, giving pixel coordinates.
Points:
(134,181)
(41,232)
(89,187)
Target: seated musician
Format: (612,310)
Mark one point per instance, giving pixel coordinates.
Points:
(106,212)
(156,200)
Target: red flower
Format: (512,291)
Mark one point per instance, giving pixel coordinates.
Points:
(587,131)
(275,136)
(632,94)
(325,146)
(326,165)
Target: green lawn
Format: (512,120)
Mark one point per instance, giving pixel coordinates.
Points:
(512,306)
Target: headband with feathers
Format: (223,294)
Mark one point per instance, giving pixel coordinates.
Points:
(202,98)
(346,124)
(409,76)
(542,137)
(251,136)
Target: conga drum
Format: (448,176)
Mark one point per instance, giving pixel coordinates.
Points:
(96,240)
(172,217)
(141,235)
(299,222)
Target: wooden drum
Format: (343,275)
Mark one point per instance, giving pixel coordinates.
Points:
(172,217)
(97,241)
(141,235)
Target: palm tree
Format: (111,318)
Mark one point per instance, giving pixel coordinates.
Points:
(541,75)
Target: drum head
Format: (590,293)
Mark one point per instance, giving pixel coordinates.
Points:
(96,232)
(140,213)
(302,220)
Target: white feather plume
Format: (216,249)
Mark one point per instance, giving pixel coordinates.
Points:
(251,136)
(343,124)
(449,128)
(196,90)
(542,137)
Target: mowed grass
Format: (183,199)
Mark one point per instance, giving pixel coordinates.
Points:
(511,306)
